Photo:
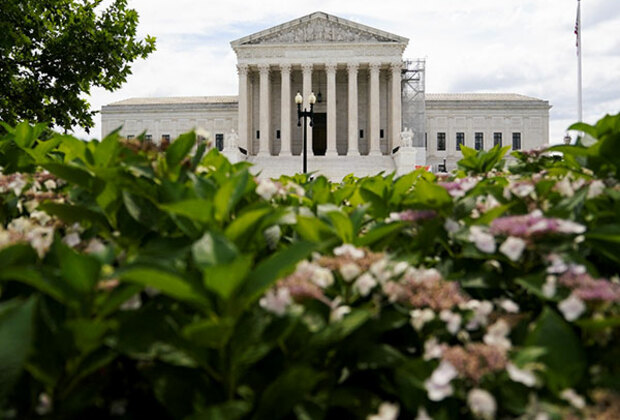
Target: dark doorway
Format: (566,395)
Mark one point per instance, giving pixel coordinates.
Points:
(319,134)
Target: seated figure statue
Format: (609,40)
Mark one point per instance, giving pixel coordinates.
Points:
(406,138)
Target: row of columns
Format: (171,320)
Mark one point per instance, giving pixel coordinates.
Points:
(285,113)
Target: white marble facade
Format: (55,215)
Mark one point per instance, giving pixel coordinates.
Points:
(357,71)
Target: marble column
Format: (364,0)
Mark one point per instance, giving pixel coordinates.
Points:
(396,105)
(330,69)
(306,69)
(264,111)
(374,120)
(352,149)
(243,129)
(285,110)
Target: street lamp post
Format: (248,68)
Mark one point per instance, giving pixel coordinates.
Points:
(305,114)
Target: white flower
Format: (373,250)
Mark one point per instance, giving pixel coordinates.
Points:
(41,239)
(513,248)
(564,187)
(400,268)
(549,287)
(558,266)
(566,226)
(267,188)
(572,307)
(40,216)
(509,306)
(438,385)
(481,312)
(349,271)
(72,239)
(419,317)
(422,414)
(387,411)
(277,301)
(497,335)
(17,184)
(349,250)
(289,218)
(481,403)
(272,236)
(322,277)
(393,217)
(526,377)
(132,304)
(339,312)
(483,240)
(380,271)
(451,226)
(50,184)
(596,188)
(364,284)
(432,349)
(452,320)
(95,246)
(573,398)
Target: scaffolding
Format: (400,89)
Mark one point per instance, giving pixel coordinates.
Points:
(413,102)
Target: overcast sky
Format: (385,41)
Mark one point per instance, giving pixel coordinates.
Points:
(513,46)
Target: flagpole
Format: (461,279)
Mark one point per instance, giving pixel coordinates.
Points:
(579,96)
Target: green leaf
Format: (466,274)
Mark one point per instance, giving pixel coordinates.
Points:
(210,333)
(565,358)
(16,334)
(33,277)
(276,267)
(72,174)
(378,233)
(107,150)
(194,209)
(312,229)
(339,330)
(286,391)
(168,283)
(245,224)
(342,224)
(141,209)
(213,249)
(80,271)
(231,410)
(180,148)
(70,213)
(229,194)
(224,279)
(432,195)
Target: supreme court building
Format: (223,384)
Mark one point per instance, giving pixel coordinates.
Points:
(372,113)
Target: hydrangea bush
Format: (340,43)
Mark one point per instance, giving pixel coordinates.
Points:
(138,280)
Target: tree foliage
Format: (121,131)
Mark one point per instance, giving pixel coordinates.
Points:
(52,52)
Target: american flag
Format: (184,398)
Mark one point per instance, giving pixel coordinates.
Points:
(578,23)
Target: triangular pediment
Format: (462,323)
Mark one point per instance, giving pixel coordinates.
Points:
(319,28)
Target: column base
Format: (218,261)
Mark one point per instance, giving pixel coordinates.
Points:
(375,153)
(331,153)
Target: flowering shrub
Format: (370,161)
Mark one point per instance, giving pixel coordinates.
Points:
(140,281)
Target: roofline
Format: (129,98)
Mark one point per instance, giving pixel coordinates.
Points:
(239,42)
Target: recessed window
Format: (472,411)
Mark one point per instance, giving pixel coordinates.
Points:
(361,134)
(277,134)
(441,141)
(479,141)
(381,133)
(130,136)
(460,139)
(165,137)
(497,139)
(219,141)
(148,137)
(426,140)
(516,141)
(258,134)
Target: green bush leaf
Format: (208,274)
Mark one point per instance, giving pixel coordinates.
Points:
(168,283)
(16,331)
(210,333)
(224,279)
(180,148)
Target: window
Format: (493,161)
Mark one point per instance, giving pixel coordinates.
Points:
(258,134)
(277,134)
(361,134)
(460,139)
(426,140)
(219,141)
(165,138)
(516,141)
(497,139)
(381,133)
(130,136)
(479,141)
(441,141)
(148,137)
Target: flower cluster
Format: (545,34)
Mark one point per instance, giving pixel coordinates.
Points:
(533,225)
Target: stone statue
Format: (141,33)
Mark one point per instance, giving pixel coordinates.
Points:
(406,138)
(232,140)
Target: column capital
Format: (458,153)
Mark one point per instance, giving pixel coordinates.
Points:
(374,67)
(330,68)
(242,69)
(353,67)
(263,68)
(396,65)
(285,68)
(307,67)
